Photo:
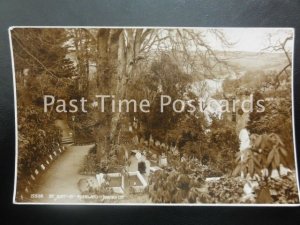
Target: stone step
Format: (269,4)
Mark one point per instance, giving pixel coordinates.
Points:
(67,140)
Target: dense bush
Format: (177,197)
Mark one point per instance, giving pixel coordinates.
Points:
(37,139)
(108,163)
(174,187)
(276,119)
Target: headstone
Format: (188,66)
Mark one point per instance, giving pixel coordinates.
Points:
(176,152)
(163,161)
(151,141)
(244,141)
(135,125)
(143,158)
(154,156)
(157,143)
(100,178)
(138,156)
(144,152)
(135,140)
(244,144)
(148,164)
(183,159)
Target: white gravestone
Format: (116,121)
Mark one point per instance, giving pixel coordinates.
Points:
(244,144)
(148,164)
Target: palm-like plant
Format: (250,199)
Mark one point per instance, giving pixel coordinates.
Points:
(248,162)
(276,157)
(252,162)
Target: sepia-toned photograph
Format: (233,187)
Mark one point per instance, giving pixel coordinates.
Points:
(154,116)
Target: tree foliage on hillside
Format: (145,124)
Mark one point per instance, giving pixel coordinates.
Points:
(41,67)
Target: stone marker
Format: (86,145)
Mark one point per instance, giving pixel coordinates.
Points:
(43,167)
(147,163)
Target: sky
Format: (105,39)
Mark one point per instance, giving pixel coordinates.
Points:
(247,39)
(253,39)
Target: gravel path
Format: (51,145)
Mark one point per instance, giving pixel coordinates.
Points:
(62,176)
(59,183)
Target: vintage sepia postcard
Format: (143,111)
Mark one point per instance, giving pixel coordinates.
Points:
(154,116)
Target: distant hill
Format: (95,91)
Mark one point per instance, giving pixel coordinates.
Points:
(250,61)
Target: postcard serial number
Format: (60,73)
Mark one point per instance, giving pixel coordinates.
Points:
(35,196)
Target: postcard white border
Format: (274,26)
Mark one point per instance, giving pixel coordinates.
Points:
(152,204)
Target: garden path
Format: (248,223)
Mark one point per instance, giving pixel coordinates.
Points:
(62,124)
(62,176)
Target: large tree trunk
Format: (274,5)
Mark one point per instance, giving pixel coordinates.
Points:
(107,74)
(127,50)
(118,55)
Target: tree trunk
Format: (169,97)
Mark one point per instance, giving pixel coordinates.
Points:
(118,51)
(107,61)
